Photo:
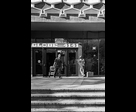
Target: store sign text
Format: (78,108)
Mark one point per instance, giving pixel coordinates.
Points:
(55,45)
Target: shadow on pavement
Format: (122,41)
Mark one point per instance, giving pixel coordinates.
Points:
(99,81)
(49,91)
(61,106)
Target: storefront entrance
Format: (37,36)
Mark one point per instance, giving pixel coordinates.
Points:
(37,62)
(43,58)
(72,64)
(50,56)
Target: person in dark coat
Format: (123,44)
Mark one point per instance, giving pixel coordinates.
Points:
(58,64)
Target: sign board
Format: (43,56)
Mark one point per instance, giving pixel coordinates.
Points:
(59,40)
(54,45)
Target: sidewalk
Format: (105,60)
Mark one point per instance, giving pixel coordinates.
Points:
(68,83)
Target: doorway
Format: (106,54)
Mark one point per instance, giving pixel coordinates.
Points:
(37,66)
(44,58)
(50,57)
(72,65)
(64,60)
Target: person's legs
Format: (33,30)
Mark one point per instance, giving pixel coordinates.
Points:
(59,72)
(48,72)
(56,72)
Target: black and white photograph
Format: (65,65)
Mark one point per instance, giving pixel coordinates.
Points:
(67,55)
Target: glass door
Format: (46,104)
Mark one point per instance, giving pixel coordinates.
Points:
(64,60)
(37,61)
(50,57)
(72,65)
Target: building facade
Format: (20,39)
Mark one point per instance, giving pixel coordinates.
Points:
(76,27)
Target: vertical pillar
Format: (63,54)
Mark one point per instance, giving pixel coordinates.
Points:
(98,57)
(31,62)
(44,62)
(77,63)
(66,62)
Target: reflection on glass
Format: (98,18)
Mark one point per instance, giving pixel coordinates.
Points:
(102,57)
(81,63)
(72,63)
(93,51)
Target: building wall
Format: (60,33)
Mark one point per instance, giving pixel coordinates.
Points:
(72,10)
(94,58)
(65,34)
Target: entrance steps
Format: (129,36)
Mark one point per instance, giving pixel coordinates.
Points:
(68,100)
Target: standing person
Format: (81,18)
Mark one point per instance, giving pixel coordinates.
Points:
(58,65)
(81,62)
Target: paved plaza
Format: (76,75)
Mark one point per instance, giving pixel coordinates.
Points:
(68,83)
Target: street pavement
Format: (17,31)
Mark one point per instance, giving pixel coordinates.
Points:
(68,83)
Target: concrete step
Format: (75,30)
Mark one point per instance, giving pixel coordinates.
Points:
(58,105)
(70,109)
(65,98)
(63,94)
(91,100)
(49,91)
(71,101)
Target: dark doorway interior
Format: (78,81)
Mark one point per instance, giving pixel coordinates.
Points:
(38,59)
(72,63)
(50,57)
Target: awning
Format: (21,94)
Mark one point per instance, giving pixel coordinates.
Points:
(68,26)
